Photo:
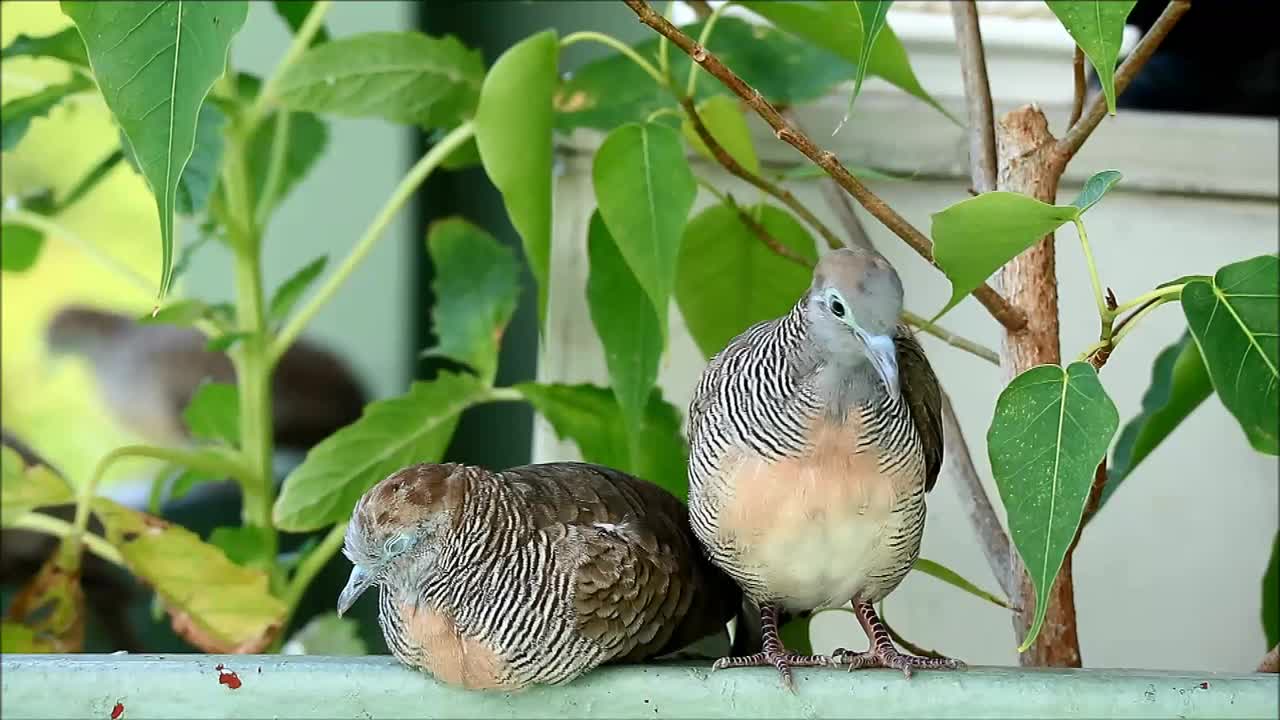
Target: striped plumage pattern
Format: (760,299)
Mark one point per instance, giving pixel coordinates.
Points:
(758,398)
(553,569)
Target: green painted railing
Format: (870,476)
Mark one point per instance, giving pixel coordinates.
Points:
(262,686)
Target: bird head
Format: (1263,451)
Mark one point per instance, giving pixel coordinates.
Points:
(853,307)
(394,529)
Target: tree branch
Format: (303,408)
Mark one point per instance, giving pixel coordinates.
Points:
(1077,100)
(855,235)
(727,161)
(1080,131)
(1006,314)
(977,95)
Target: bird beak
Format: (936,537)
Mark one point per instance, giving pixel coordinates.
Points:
(884,358)
(356,585)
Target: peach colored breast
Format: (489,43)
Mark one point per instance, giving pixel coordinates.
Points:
(450,656)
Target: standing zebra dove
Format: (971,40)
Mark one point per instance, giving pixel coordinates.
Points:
(813,440)
(532,575)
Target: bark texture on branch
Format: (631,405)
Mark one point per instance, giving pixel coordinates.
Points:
(1029,164)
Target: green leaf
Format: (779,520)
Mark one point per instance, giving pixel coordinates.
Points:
(403,77)
(625,321)
(308,138)
(225,341)
(645,189)
(244,545)
(589,415)
(513,134)
(796,637)
(186,481)
(1051,429)
(214,413)
(1179,383)
(16,638)
(27,488)
(838,28)
(64,45)
(975,237)
(720,258)
(155,62)
(327,634)
(476,284)
(1097,26)
(1236,322)
(291,290)
(20,247)
(179,312)
(872,15)
(612,91)
(391,434)
(1271,596)
(201,174)
(217,605)
(294,13)
(723,118)
(1094,188)
(953,578)
(51,608)
(17,114)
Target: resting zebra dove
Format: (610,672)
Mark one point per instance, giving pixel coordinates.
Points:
(813,440)
(532,575)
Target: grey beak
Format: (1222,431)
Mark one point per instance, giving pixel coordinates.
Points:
(884,358)
(359,581)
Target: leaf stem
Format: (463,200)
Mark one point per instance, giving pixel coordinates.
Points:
(692,84)
(416,175)
(1169,292)
(49,525)
(301,41)
(1104,315)
(504,394)
(962,343)
(275,168)
(616,44)
(310,566)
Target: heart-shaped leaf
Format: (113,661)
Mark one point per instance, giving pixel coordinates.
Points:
(625,321)
(513,134)
(589,415)
(975,237)
(403,77)
(722,117)
(155,62)
(1236,323)
(412,428)
(1097,26)
(1179,383)
(475,281)
(215,604)
(644,190)
(720,258)
(1052,427)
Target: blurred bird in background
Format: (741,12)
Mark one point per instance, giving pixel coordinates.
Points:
(532,575)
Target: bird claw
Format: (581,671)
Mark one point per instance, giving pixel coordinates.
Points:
(889,657)
(782,661)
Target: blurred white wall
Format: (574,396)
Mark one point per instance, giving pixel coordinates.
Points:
(1169,575)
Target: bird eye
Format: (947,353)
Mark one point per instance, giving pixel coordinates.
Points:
(838,308)
(398,544)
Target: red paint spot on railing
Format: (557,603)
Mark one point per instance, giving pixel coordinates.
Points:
(117,711)
(227,677)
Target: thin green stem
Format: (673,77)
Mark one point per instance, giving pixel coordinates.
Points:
(662,111)
(1170,292)
(692,84)
(970,346)
(505,394)
(311,566)
(49,525)
(1132,321)
(301,41)
(1103,313)
(706,185)
(424,167)
(275,168)
(616,44)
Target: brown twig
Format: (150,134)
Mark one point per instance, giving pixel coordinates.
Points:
(950,338)
(765,237)
(977,94)
(1006,314)
(726,160)
(1128,70)
(1077,100)
(855,235)
(1271,661)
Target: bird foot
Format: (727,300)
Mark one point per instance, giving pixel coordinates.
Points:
(781,660)
(887,656)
